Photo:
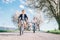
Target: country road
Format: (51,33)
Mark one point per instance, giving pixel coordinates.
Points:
(29,36)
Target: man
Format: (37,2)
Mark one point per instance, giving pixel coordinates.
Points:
(23,17)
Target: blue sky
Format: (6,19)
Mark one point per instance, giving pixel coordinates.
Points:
(9,7)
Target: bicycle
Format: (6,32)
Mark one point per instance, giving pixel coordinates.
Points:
(34,27)
(21,26)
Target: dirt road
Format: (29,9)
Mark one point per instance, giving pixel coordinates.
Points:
(29,36)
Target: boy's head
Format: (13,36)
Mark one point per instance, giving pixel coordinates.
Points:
(23,11)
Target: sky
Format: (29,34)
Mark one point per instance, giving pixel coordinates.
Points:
(8,9)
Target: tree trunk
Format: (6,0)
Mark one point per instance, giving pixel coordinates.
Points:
(58,21)
(58,24)
(54,14)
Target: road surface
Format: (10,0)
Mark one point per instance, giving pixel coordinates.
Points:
(29,35)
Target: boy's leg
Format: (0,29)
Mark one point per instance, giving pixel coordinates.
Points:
(25,24)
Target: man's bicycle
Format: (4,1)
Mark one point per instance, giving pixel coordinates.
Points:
(34,27)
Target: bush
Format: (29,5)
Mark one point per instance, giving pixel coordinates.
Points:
(6,31)
(54,31)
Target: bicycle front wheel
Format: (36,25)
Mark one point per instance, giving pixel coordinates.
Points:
(20,29)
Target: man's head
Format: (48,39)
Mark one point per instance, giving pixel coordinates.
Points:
(23,11)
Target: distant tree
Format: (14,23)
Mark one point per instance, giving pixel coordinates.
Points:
(15,18)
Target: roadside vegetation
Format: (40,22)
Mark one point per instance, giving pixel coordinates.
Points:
(8,30)
(54,31)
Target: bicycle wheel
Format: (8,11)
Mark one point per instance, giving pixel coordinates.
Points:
(20,30)
(33,28)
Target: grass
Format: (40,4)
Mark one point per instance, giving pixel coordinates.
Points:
(54,31)
(7,30)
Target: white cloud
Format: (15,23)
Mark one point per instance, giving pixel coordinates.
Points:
(31,11)
(21,6)
(22,1)
(7,1)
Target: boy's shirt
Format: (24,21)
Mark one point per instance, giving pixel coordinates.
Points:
(23,17)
